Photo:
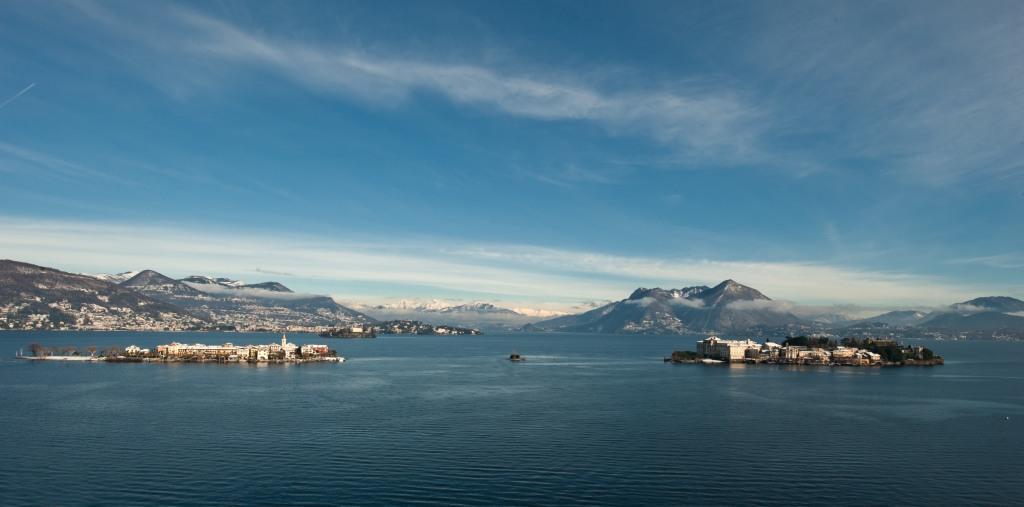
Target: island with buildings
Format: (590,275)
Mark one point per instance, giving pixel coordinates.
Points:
(808,350)
(356,331)
(174,352)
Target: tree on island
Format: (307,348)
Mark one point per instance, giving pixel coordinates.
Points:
(891,351)
(37,349)
(809,341)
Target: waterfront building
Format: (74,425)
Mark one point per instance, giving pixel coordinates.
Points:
(866,357)
(769,352)
(791,354)
(313,350)
(283,351)
(726,350)
(288,349)
(815,356)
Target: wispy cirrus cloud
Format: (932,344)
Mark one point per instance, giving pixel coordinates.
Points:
(1002,261)
(927,90)
(515,273)
(57,166)
(914,91)
(703,120)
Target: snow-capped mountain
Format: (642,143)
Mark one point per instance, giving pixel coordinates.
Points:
(36,297)
(231,303)
(113,277)
(438,306)
(154,284)
(539,312)
(216,285)
(991,313)
(450,307)
(477,314)
(267,286)
(209,280)
(659,293)
(479,308)
(726,307)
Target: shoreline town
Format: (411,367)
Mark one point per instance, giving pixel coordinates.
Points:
(174,352)
(803,350)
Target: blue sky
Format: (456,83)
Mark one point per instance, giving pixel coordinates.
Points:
(539,154)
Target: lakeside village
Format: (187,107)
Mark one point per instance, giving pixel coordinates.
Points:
(174,352)
(813,350)
(396,327)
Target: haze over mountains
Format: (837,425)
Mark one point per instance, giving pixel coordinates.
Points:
(993,313)
(37,297)
(266,305)
(730,307)
(477,314)
(726,307)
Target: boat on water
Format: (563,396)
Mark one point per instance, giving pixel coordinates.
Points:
(515,357)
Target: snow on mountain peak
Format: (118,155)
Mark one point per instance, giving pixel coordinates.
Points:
(209,280)
(112,277)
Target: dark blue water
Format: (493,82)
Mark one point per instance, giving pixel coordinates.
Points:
(587,419)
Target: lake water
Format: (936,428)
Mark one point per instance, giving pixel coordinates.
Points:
(447,420)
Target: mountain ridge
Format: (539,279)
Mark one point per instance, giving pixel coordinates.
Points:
(44,297)
(728,306)
(266,305)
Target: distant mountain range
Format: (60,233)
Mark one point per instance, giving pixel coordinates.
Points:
(266,305)
(985,314)
(730,307)
(35,296)
(896,318)
(44,298)
(482,315)
(210,284)
(726,307)
(438,306)
(1001,304)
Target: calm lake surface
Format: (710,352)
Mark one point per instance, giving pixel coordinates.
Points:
(431,420)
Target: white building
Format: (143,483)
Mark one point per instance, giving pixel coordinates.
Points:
(725,350)
(288,348)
